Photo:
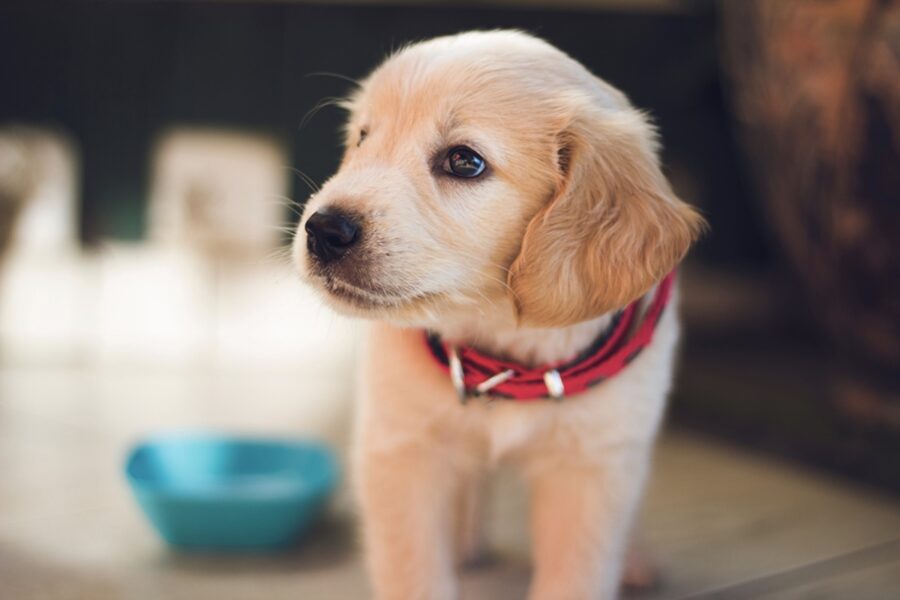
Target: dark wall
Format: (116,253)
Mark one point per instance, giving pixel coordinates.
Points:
(115,75)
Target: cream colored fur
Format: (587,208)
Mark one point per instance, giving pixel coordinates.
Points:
(572,220)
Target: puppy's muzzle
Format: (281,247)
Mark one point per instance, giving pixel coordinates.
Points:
(330,233)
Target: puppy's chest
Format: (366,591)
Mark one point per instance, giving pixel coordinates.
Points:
(510,429)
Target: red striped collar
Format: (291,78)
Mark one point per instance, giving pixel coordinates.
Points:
(476,374)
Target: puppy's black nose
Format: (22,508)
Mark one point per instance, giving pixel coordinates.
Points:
(330,233)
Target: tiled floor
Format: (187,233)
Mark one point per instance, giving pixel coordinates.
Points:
(722,523)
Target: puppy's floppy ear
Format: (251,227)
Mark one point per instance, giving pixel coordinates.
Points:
(613,229)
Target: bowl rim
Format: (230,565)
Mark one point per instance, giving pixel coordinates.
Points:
(321,485)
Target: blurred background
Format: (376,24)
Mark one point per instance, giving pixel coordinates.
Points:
(154,157)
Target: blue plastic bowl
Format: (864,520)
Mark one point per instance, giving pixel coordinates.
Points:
(219,493)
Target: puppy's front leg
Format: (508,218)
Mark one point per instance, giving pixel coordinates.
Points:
(406,496)
(580,517)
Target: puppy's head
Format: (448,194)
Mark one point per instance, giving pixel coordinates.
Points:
(490,169)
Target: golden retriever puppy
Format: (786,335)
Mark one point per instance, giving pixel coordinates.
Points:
(501,215)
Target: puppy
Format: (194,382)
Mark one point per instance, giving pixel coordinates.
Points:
(501,216)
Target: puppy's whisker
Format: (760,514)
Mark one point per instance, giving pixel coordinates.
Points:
(283,200)
(355,82)
(289,229)
(324,102)
(286,202)
(280,256)
(310,183)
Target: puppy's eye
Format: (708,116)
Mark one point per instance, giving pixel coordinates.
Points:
(362,136)
(464,162)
